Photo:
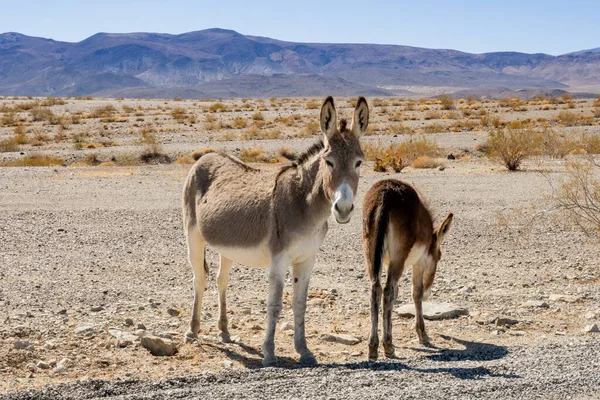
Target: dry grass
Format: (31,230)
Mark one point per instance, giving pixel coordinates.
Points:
(427,162)
(511,146)
(255,155)
(399,156)
(34,160)
(153,154)
(196,154)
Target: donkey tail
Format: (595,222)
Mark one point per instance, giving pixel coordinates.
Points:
(378,221)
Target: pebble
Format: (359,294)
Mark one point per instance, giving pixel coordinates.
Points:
(505,321)
(85,329)
(173,312)
(141,326)
(286,326)
(23,345)
(62,366)
(128,322)
(158,346)
(536,304)
(246,311)
(566,298)
(342,339)
(516,333)
(42,365)
(49,345)
(97,308)
(227,363)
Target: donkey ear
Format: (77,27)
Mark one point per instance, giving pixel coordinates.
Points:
(360,119)
(444,227)
(328,118)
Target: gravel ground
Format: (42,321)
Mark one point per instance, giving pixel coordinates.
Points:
(86,251)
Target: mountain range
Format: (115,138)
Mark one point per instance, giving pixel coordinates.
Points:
(224,63)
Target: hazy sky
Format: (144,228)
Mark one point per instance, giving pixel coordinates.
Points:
(553,27)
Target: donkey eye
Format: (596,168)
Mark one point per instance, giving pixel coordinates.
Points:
(358,164)
(329,164)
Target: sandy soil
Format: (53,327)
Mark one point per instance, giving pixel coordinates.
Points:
(104,248)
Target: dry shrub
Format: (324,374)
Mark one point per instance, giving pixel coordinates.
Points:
(568,118)
(211,123)
(184,160)
(255,154)
(435,128)
(399,156)
(153,154)
(427,162)
(196,154)
(310,128)
(103,111)
(179,114)
(9,145)
(313,105)
(239,123)
(579,196)
(432,114)
(287,153)
(34,160)
(258,116)
(447,102)
(147,136)
(41,114)
(511,146)
(217,107)
(596,112)
(108,164)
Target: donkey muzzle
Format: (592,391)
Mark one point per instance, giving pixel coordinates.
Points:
(343,204)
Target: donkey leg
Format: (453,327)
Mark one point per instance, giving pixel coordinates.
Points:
(417,294)
(375,303)
(222,282)
(277,270)
(301,272)
(390,293)
(196,245)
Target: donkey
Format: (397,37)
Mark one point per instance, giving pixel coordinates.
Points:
(398,231)
(260,218)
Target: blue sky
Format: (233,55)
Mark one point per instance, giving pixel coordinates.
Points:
(553,27)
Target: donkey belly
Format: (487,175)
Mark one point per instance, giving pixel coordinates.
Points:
(256,256)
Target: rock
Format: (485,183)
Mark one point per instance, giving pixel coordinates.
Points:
(451,157)
(441,168)
(141,326)
(535,304)
(23,345)
(128,322)
(97,308)
(173,312)
(342,339)
(246,311)
(124,339)
(42,365)
(516,333)
(158,346)
(86,330)
(507,322)
(49,345)
(433,311)
(140,333)
(227,363)
(62,366)
(560,333)
(592,328)
(166,335)
(592,314)
(566,298)
(286,326)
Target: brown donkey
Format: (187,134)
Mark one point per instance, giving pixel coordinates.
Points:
(264,218)
(398,231)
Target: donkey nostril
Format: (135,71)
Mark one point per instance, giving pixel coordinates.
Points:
(352,208)
(336,208)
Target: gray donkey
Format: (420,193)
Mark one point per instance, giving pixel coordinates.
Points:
(265,218)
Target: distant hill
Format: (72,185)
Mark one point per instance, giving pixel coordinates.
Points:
(224,63)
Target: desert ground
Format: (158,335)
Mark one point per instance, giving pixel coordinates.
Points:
(93,255)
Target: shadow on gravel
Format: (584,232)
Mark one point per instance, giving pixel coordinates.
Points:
(473,351)
(253,362)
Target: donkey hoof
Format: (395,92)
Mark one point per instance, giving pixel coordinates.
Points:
(190,337)
(373,354)
(270,362)
(308,360)
(390,352)
(424,340)
(225,338)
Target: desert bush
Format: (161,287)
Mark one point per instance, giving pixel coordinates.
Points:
(103,111)
(447,102)
(310,128)
(9,145)
(41,114)
(432,114)
(196,154)
(147,136)
(579,196)
(313,105)
(398,156)
(34,160)
(511,146)
(258,116)
(427,162)
(434,128)
(568,118)
(596,112)
(239,123)
(217,107)
(179,114)
(153,154)
(254,154)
